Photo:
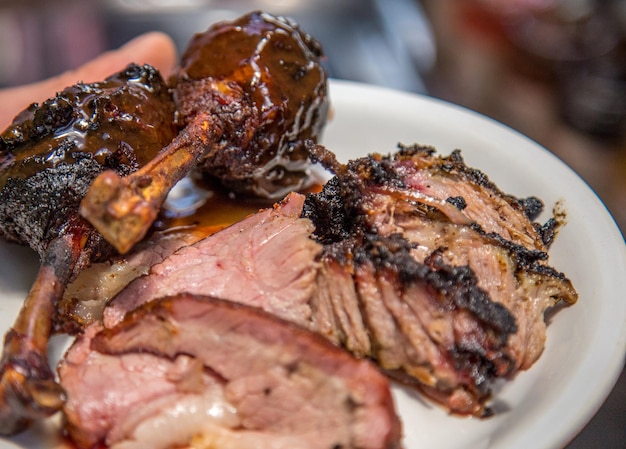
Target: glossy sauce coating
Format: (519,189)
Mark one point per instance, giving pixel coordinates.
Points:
(121,123)
(278,67)
(52,152)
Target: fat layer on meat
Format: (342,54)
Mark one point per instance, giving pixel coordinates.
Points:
(190,370)
(86,296)
(266,260)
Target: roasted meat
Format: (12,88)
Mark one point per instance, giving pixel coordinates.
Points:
(276,72)
(86,296)
(266,260)
(414,260)
(48,158)
(53,151)
(251,107)
(444,260)
(207,373)
(249,93)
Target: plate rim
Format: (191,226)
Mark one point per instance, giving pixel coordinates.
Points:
(615,357)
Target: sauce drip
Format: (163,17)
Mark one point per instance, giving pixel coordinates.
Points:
(204,203)
(201,204)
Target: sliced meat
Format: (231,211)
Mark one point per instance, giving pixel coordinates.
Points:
(383,263)
(85,298)
(477,312)
(445,184)
(191,370)
(450,180)
(266,260)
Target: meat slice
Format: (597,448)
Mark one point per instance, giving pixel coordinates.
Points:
(86,296)
(451,272)
(199,371)
(445,184)
(266,260)
(383,263)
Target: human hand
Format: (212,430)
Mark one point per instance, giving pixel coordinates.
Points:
(155,48)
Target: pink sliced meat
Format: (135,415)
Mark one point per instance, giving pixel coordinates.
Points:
(266,260)
(413,260)
(219,374)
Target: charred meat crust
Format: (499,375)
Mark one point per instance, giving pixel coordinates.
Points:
(454,290)
(40,220)
(374,212)
(454,164)
(338,210)
(456,286)
(382,171)
(52,152)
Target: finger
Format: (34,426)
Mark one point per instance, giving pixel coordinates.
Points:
(154,48)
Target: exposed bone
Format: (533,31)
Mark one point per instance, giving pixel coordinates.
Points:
(249,94)
(48,158)
(123,208)
(28,389)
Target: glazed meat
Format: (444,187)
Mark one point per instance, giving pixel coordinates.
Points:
(249,93)
(405,259)
(52,152)
(285,99)
(48,158)
(191,370)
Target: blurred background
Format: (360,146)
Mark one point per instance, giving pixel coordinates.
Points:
(555,70)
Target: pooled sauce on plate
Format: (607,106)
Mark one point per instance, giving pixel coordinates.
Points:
(201,203)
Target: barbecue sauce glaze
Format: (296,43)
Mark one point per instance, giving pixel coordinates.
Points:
(279,69)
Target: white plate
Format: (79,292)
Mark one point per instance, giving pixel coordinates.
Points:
(550,403)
